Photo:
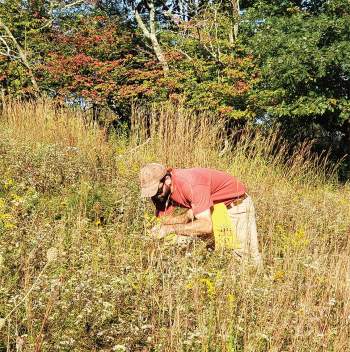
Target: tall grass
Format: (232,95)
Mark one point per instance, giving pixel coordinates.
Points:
(177,136)
(66,190)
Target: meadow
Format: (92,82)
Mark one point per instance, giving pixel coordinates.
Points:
(78,271)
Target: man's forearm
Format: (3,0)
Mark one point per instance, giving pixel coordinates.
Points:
(175,219)
(195,228)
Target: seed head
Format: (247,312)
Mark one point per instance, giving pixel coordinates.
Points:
(52,254)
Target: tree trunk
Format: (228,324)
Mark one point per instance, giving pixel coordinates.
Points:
(235,19)
(345,148)
(3,102)
(159,53)
(95,112)
(346,139)
(151,35)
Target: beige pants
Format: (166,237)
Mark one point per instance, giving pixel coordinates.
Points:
(243,219)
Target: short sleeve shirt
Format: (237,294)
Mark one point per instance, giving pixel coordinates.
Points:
(200,188)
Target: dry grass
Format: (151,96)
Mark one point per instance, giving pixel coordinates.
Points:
(64,187)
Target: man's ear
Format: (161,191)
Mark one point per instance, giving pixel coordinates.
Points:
(168,181)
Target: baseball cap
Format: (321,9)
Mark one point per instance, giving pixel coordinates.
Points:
(150,175)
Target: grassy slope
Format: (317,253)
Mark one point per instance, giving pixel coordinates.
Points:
(62,186)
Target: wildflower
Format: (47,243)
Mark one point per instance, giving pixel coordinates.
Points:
(119,348)
(209,286)
(279,275)
(17,200)
(263,336)
(332,302)
(231,298)
(51,254)
(8,183)
(2,323)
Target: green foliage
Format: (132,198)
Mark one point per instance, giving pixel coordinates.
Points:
(284,61)
(305,64)
(14,78)
(98,59)
(214,73)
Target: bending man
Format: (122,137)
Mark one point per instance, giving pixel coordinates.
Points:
(198,189)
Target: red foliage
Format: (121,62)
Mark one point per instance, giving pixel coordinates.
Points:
(173,56)
(96,60)
(241,87)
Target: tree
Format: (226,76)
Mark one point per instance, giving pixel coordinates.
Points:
(23,26)
(88,59)
(110,53)
(212,71)
(304,58)
(15,58)
(13,51)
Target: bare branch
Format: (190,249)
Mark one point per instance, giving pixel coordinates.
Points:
(58,7)
(152,15)
(12,57)
(47,24)
(141,24)
(74,3)
(21,54)
(184,53)
(8,50)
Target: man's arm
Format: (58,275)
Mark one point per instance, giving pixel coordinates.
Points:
(184,218)
(202,226)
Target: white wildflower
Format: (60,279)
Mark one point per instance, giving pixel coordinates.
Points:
(263,336)
(2,323)
(146,326)
(332,302)
(51,254)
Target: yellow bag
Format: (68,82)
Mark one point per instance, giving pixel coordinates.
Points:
(224,233)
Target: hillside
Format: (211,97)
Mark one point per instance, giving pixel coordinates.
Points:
(78,272)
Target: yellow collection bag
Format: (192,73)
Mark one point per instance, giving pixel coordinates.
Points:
(224,233)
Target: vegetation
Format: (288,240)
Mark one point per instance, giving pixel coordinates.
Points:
(304,61)
(90,90)
(282,62)
(79,273)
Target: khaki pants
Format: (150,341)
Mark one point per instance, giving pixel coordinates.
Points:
(243,219)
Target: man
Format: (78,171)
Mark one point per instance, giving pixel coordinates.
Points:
(198,189)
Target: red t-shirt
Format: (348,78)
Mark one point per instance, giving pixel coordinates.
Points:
(199,189)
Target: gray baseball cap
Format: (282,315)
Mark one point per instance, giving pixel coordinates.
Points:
(150,176)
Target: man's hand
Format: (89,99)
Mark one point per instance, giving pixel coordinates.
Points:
(201,227)
(159,232)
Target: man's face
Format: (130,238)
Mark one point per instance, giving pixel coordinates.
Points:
(163,190)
